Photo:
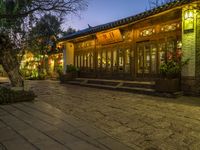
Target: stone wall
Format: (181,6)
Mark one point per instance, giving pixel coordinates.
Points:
(190,86)
(198,55)
(191,50)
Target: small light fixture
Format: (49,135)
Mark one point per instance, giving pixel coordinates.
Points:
(188,21)
(189,14)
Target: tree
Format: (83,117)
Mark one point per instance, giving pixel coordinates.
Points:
(70,30)
(44,33)
(16,18)
(156,3)
(42,37)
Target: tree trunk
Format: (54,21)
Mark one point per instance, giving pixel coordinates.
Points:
(12,69)
(9,61)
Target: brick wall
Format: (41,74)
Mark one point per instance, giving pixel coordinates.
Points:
(191,50)
(198,55)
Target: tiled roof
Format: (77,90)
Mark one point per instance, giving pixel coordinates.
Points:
(127,20)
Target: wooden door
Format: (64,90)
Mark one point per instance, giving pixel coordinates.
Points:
(146,65)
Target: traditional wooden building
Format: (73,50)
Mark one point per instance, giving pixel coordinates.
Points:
(133,48)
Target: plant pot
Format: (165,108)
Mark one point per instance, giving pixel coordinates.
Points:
(69,76)
(168,85)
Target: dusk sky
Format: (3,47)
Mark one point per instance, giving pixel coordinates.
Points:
(104,11)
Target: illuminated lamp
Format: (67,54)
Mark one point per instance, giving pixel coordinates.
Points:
(189,14)
(188,20)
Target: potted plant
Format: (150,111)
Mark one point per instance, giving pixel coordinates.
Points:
(170,72)
(71,74)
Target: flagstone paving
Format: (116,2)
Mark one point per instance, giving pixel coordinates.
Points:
(40,126)
(139,121)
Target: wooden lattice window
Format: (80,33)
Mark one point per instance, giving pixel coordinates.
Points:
(147,32)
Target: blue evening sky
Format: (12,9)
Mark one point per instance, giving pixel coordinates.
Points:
(104,11)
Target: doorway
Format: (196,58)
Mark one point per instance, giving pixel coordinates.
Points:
(146,60)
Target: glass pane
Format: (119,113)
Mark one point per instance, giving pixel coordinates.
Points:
(78,61)
(85,61)
(115,60)
(99,59)
(91,60)
(161,53)
(82,61)
(88,60)
(140,59)
(147,59)
(121,60)
(170,46)
(104,59)
(127,60)
(109,60)
(153,59)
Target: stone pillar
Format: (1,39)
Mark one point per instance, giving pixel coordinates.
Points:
(198,47)
(198,54)
(68,55)
(190,50)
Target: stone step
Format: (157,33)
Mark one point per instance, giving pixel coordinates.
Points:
(74,82)
(139,87)
(113,85)
(148,85)
(139,84)
(137,90)
(100,86)
(103,82)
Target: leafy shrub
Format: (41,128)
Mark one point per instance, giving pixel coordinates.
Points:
(173,66)
(59,70)
(42,76)
(71,68)
(10,96)
(170,69)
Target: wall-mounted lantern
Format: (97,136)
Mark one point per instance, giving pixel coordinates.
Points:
(189,14)
(188,20)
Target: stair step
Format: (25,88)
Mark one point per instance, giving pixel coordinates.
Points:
(140,87)
(74,82)
(100,86)
(103,82)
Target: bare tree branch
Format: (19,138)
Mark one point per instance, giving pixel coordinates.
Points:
(60,7)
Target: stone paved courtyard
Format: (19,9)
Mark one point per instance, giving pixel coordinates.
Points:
(139,121)
(40,126)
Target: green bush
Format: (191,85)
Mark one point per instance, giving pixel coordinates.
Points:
(41,76)
(170,69)
(71,68)
(59,70)
(10,96)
